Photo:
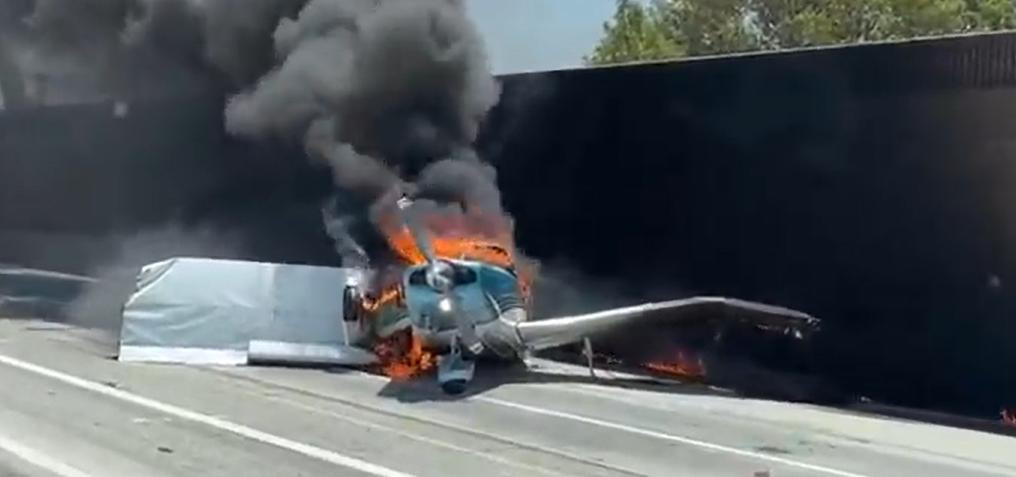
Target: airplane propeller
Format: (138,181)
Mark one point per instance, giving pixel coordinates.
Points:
(439,276)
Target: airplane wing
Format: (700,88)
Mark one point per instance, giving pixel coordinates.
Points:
(552,332)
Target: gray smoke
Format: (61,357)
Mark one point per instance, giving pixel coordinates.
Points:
(385,92)
(339,223)
(85,50)
(563,289)
(463,179)
(99,304)
(372,86)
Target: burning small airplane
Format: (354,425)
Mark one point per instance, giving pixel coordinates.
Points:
(461,299)
(460,292)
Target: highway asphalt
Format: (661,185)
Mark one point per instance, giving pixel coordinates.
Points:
(68,409)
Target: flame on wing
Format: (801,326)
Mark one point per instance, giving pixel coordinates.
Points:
(1009,416)
(682,364)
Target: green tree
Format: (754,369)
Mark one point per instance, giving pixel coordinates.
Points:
(704,27)
(636,33)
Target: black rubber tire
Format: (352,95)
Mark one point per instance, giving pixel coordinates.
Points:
(350,305)
(454,387)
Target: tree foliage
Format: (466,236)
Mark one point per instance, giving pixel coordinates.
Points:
(636,33)
(703,27)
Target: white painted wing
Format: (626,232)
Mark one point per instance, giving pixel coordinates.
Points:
(553,332)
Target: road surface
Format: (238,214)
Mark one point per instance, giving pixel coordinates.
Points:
(68,410)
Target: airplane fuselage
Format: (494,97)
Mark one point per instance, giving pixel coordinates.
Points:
(480,309)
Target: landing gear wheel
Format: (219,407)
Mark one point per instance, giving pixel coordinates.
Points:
(351,303)
(455,369)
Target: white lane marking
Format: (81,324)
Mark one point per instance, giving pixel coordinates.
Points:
(657,435)
(38,459)
(431,422)
(669,437)
(419,438)
(222,424)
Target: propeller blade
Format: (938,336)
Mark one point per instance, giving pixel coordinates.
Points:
(416,229)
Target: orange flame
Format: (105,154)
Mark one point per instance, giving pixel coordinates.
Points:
(1009,416)
(390,294)
(477,237)
(402,356)
(460,237)
(685,364)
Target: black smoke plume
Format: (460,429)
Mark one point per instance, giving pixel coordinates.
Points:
(384,92)
(89,50)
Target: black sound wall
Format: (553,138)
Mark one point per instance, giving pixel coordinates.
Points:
(871,186)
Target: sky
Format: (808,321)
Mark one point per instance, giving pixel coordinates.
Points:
(527,35)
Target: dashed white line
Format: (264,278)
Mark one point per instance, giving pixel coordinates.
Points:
(38,459)
(222,424)
(669,437)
